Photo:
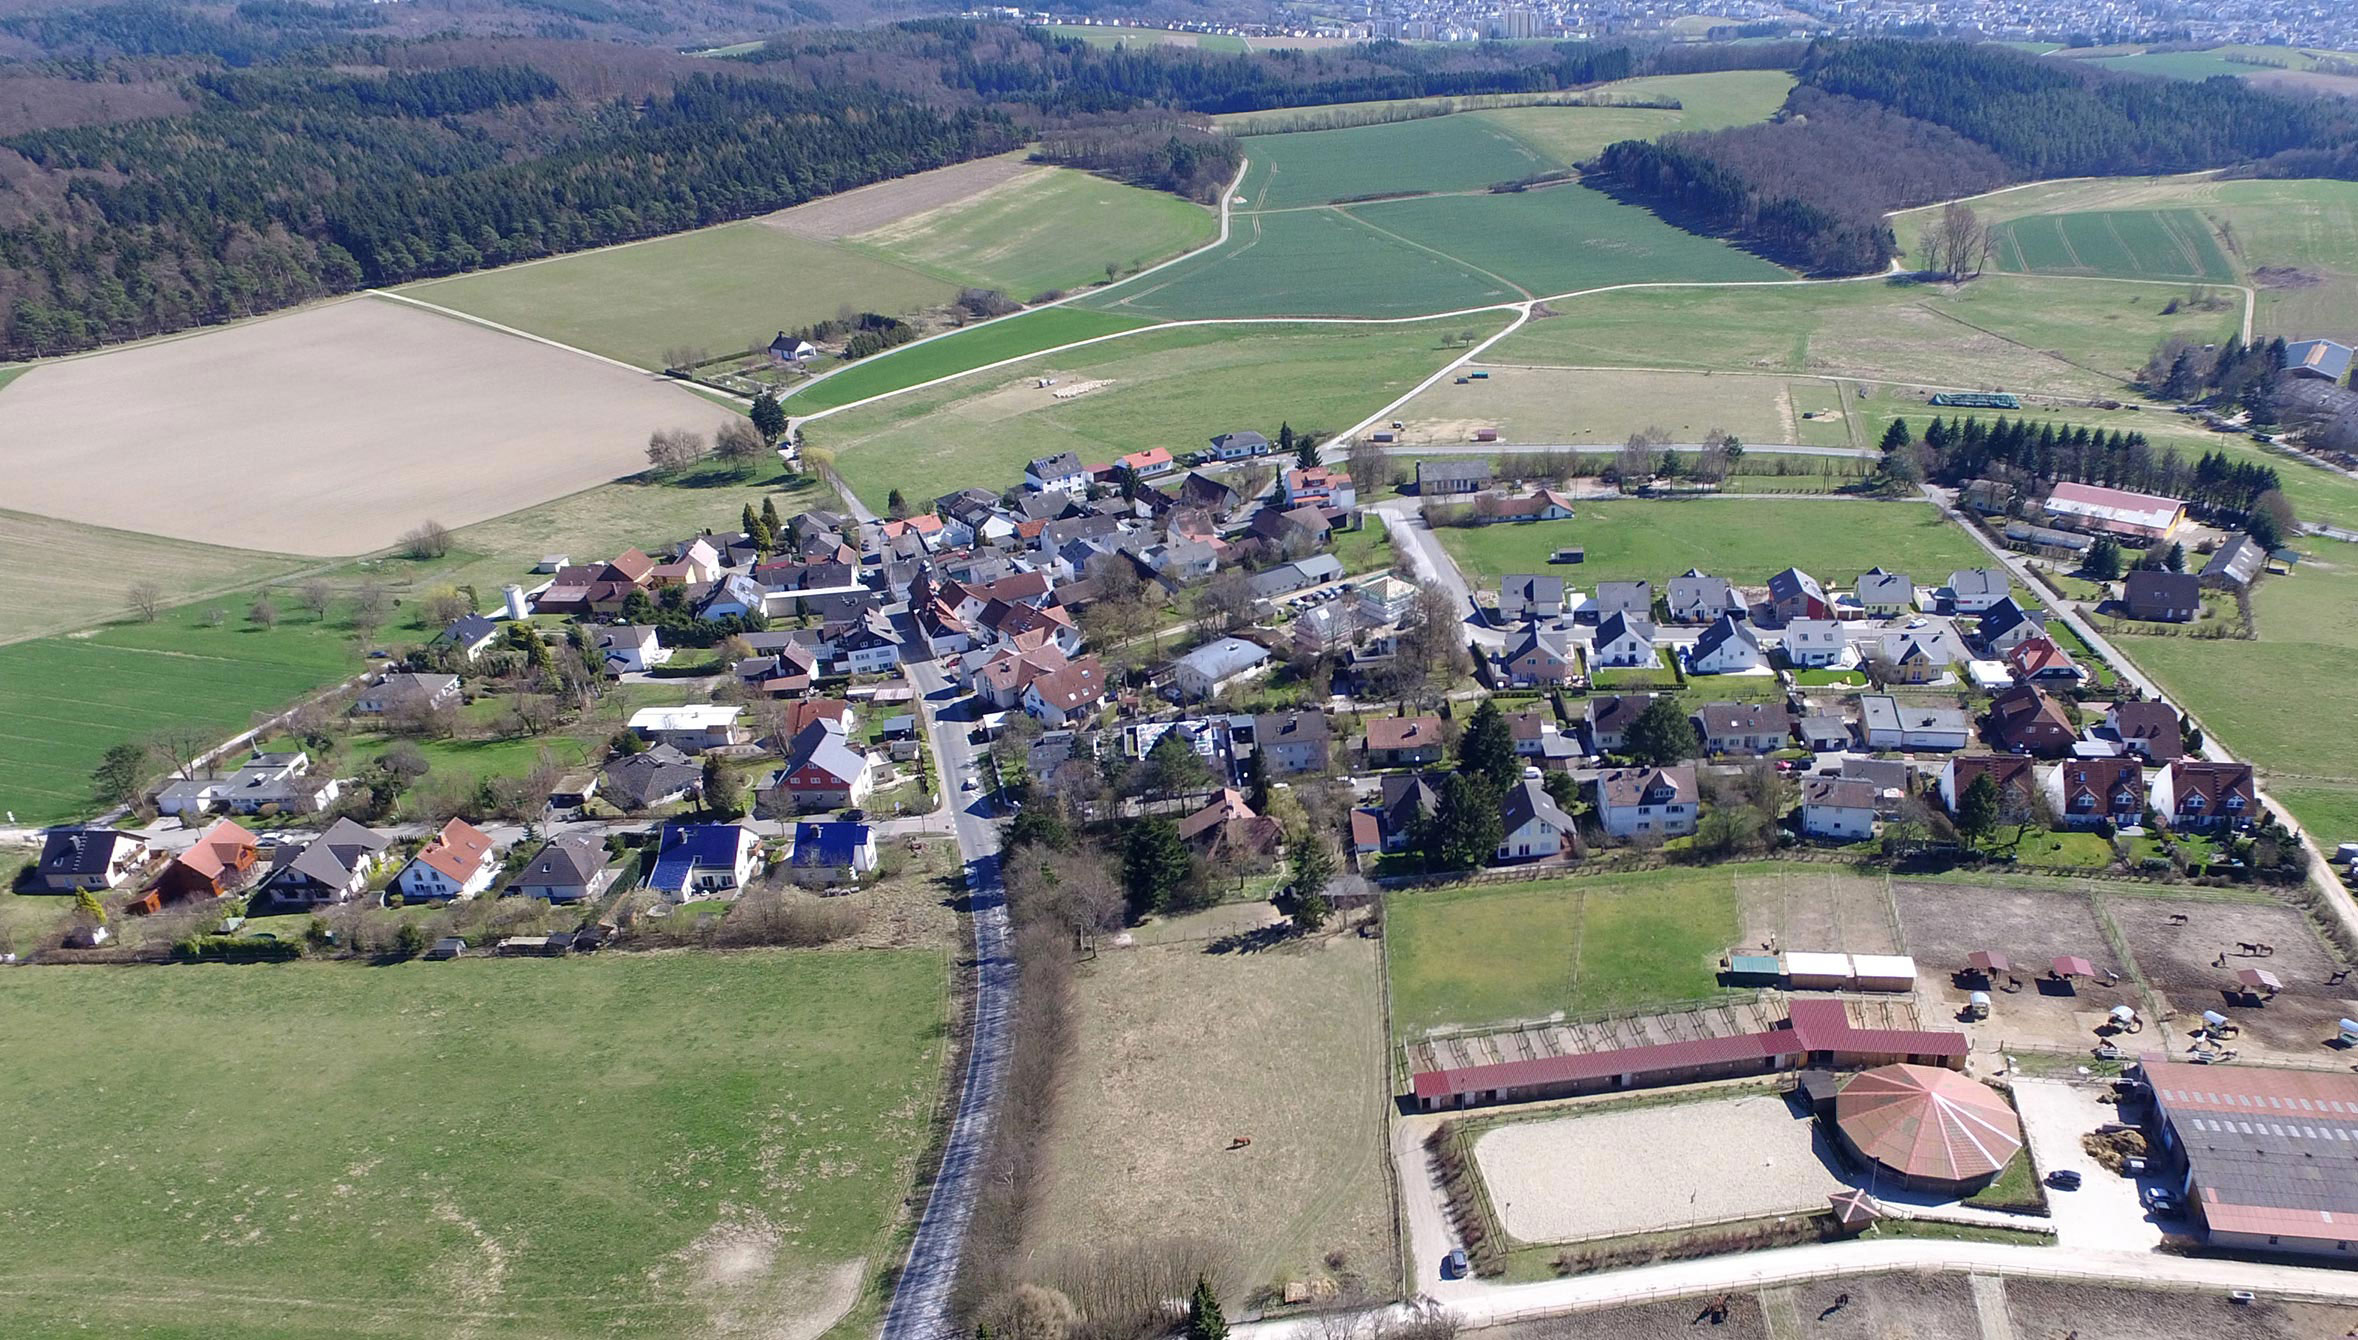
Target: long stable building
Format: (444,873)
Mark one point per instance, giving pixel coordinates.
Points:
(1816,1034)
(2271,1155)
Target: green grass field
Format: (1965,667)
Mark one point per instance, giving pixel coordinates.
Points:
(1097,36)
(2196,65)
(2308,632)
(1490,954)
(1320,262)
(1437,153)
(65,700)
(1051,230)
(2059,336)
(1563,238)
(657,1144)
(2126,244)
(718,289)
(1708,102)
(909,365)
(1744,540)
(1172,388)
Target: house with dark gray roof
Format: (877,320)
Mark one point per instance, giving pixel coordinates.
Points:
(1635,599)
(1457,474)
(1697,597)
(2236,565)
(87,858)
(1523,595)
(1531,826)
(660,776)
(331,868)
(568,870)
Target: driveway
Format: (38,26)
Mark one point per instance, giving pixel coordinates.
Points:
(2104,1213)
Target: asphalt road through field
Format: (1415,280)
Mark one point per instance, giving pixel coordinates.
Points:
(921,1300)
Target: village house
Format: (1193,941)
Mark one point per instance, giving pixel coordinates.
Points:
(1886,723)
(1727,647)
(1794,594)
(1213,667)
(659,776)
(2237,564)
(468,636)
(2026,720)
(1973,590)
(1920,655)
(217,863)
(263,784)
(1531,826)
(2194,795)
(1453,475)
(402,691)
(699,861)
(1149,463)
(1530,597)
(1538,656)
(1742,728)
(1697,597)
(1622,642)
(566,871)
(1402,802)
(1321,487)
(96,859)
(1836,808)
(1403,742)
(1609,717)
(1299,575)
(2162,597)
(824,771)
(1649,802)
(1060,473)
(1292,741)
(1816,644)
(2014,776)
(1228,832)
(1883,594)
(1063,694)
(1635,599)
(1293,529)
(692,728)
(630,649)
(1201,491)
(835,848)
(2086,792)
(596,588)
(1237,446)
(1324,628)
(331,868)
(1537,505)
(2149,729)
(457,862)
(2006,624)
(2037,660)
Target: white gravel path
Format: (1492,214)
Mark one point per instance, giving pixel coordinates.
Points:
(1652,1167)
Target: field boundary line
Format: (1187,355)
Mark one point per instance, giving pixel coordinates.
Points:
(489,324)
(1382,231)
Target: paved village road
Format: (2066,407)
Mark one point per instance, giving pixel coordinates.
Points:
(920,1307)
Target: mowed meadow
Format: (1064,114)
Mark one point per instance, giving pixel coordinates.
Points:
(631,1145)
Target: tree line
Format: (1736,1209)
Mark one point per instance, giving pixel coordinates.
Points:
(1885,125)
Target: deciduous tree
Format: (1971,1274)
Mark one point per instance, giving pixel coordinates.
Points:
(145,599)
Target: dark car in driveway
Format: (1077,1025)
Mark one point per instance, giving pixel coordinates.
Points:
(2064,1179)
(1454,1265)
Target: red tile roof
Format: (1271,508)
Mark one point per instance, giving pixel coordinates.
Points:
(458,850)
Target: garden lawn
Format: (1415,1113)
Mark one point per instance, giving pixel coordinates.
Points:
(1469,956)
(2073,849)
(913,364)
(1052,229)
(1171,388)
(720,290)
(1745,540)
(637,1144)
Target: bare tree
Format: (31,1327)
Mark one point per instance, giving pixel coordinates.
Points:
(316,595)
(181,746)
(1225,603)
(429,540)
(1957,244)
(1640,455)
(739,444)
(674,449)
(145,599)
(532,714)
(263,613)
(1366,464)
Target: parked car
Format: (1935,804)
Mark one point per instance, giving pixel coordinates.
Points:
(2064,1179)
(1454,1265)
(2160,1201)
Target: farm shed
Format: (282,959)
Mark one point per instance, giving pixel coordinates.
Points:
(1976,400)
(2286,1184)
(1753,970)
(1883,972)
(1806,971)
